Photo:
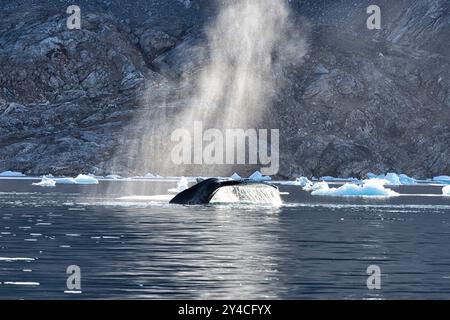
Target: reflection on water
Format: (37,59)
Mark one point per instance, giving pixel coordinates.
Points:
(139,246)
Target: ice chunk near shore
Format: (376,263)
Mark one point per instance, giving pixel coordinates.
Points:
(442,179)
(45,182)
(85,179)
(12,174)
(367,189)
(235,176)
(446,191)
(257,176)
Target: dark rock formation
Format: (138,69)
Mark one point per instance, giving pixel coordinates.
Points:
(360,101)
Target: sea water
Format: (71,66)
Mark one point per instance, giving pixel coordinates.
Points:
(136,245)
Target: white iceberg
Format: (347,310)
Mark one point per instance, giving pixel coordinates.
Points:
(446,191)
(257,176)
(368,189)
(45,182)
(12,174)
(442,179)
(84,179)
(235,176)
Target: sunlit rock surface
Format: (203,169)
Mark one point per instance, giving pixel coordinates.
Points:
(360,101)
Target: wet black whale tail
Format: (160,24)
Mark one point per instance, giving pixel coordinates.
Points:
(204,191)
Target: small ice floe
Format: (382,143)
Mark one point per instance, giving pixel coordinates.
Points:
(369,188)
(333,179)
(85,179)
(65,181)
(393,178)
(45,182)
(301,182)
(446,191)
(235,176)
(12,174)
(322,185)
(182,185)
(257,176)
(442,179)
(113,177)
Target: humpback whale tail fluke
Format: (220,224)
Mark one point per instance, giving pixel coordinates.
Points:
(204,191)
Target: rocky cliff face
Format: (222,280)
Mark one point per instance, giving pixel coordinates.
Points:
(359,101)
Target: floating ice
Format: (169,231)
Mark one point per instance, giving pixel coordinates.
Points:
(331,179)
(302,182)
(113,177)
(235,176)
(322,185)
(393,178)
(65,181)
(378,181)
(368,189)
(257,176)
(404,179)
(12,174)
(84,179)
(446,191)
(442,179)
(45,182)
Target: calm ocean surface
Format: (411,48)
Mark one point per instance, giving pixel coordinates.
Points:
(308,248)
